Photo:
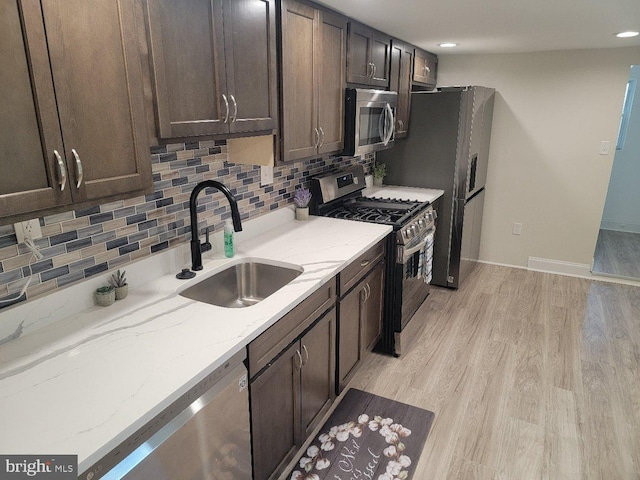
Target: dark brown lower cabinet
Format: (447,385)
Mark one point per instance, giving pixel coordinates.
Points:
(359,324)
(290,397)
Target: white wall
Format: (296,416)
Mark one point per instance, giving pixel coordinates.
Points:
(622,207)
(552,110)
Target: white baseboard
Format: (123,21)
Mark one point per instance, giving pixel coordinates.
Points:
(558,267)
(620,226)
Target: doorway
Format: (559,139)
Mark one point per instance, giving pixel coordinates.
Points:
(617,250)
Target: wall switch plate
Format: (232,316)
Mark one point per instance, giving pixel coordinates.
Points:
(29,229)
(266,175)
(605,145)
(517,229)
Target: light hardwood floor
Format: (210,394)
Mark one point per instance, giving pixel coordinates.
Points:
(617,254)
(530,376)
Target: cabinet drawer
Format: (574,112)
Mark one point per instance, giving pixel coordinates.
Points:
(268,345)
(357,269)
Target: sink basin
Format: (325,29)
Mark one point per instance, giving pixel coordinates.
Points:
(242,285)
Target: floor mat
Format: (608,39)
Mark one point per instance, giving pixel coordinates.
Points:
(366,437)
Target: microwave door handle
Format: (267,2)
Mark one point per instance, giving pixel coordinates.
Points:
(390,124)
(382,126)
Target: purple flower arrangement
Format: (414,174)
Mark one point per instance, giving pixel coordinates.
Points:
(302,197)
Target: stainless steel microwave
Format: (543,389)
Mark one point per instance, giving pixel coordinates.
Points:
(369,120)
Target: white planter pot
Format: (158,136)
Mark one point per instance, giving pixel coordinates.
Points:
(302,213)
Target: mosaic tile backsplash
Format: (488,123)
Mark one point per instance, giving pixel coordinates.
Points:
(79,244)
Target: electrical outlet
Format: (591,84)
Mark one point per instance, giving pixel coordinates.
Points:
(517,229)
(266,175)
(605,145)
(29,229)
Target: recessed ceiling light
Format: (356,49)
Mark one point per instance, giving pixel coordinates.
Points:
(627,34)
(447,45)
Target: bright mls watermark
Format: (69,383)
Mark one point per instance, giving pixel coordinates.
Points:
(45,467)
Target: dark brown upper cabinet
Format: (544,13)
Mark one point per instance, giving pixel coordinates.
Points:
(72,126)
(313,81)
(425,69)
(368,57)
(213,66)
(400,81)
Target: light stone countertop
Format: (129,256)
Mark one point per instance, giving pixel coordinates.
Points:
(403,193)
(82,382)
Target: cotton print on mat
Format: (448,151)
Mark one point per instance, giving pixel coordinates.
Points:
(367,437)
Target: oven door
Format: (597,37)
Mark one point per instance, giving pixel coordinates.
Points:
(415,260)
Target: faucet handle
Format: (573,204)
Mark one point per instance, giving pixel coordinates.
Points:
(206,246)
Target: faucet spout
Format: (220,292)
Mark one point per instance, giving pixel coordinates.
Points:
(196,252)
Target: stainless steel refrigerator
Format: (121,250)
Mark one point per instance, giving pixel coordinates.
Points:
(447,147)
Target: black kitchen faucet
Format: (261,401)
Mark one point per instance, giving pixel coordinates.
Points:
(196,252)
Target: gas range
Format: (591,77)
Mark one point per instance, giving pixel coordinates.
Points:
(409,248)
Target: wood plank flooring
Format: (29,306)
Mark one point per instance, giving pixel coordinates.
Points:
(530,375)
(617,254)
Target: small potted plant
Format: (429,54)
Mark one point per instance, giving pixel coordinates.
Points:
(105,296)
(379,171)
(301,198)
(119,283)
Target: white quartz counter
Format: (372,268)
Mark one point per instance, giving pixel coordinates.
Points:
(403,193)
(84,383)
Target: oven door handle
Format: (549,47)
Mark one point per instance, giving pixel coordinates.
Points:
(406,254)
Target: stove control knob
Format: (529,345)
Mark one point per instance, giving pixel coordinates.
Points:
(408,233)
(415,230)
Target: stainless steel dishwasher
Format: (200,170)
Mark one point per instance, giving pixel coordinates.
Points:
(208,438)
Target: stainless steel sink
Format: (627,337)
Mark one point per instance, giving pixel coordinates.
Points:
(242,285)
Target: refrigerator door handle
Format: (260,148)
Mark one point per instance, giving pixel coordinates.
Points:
(472,176)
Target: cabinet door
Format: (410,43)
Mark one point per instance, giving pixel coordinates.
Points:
(318,372)
(98,83)
(275,421)
(349,334)
(359,67)
(300,81)
(380,57)
(425,70)
(332,64)
(250,53)
(188,67)
(372,315)
(400,81)
(29,129)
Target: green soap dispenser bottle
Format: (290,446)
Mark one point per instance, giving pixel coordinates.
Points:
(228,239)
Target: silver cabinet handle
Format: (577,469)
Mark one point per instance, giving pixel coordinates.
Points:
(364,263)
(370,70)
(321,141)
(78,167)
(299,358)
(428,71)
(62,170)
(226,107)
(375,68)
(317,138)
(306,355)
(235,109)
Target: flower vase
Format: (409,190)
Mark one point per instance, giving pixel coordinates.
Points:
(377,181)
(302,213)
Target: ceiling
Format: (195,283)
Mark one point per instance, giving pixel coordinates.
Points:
(499,26)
